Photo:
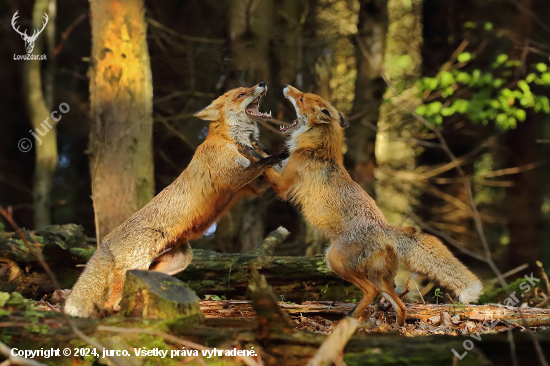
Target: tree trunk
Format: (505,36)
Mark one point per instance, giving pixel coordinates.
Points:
(121,110)
(369,89)
(402,65)
(250,33)
(44,128)
(525,196)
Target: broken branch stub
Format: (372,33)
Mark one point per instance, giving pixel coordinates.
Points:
(156,295)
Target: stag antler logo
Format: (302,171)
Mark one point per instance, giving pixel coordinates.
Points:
(29,41)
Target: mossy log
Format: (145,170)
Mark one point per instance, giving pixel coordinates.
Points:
(224,274)
(35,330)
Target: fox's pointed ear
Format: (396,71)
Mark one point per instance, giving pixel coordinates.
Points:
(210,113)
(325,117)
(343,122)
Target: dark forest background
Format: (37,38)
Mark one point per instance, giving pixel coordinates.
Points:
(475,69)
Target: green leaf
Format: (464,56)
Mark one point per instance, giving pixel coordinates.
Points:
(502,118)
(465,57)
(461,105)
(531,77)
(522,84)
(430,83)
(434,108)
(497,83)
(520,115)
(544,79)
(462,77)
(470,25)
(447,111)
(488,26)
(502,58)
(512,63)
(446,79)
(541,67)
(421,109)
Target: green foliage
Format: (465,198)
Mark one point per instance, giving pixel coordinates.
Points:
(437,295)
(458,304)
(212,297)
(485,96)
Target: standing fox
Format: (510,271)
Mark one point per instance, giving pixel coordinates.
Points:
(216,177)
(365,250)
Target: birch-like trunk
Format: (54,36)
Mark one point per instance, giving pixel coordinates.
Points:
(45,146)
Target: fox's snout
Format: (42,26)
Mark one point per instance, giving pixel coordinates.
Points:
(290,91)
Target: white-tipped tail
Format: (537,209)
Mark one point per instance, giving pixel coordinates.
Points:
(471,293)
(425,254)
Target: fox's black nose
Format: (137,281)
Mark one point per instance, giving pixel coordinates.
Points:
(262,84)
(286,85)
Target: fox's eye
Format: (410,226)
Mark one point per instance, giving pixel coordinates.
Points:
(240,96)
(301,99)
(325,111)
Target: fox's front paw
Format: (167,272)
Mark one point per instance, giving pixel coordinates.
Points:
(250,153)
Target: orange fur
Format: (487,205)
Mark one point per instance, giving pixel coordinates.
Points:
(215,178)
(365,250)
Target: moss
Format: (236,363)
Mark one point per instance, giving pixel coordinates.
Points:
(83,253)
(493,294)
(16,301)
(424,354)
(4,297)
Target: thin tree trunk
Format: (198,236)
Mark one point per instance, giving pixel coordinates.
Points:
(39,114)
(402,66)
(121,110)
(369,90)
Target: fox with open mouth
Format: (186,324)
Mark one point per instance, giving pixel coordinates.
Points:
(217,176)
(365,250)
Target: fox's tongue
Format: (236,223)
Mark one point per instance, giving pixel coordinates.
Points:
(252,110)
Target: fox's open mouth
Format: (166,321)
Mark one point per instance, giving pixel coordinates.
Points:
(286,128)
(253,108)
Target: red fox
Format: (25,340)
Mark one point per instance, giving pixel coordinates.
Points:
(365,250)
(216,177)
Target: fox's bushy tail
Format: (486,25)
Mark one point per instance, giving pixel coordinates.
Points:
(427,255)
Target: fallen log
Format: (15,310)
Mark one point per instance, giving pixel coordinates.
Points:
(533,317)
(35,330)
(210,273)
(270,331)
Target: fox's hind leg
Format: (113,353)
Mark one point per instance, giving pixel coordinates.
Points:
(174,260)
(339,262)
(389,293)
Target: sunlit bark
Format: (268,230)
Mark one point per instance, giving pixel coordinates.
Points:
(402,67)
(121,110)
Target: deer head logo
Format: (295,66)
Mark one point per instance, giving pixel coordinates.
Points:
(29,41)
